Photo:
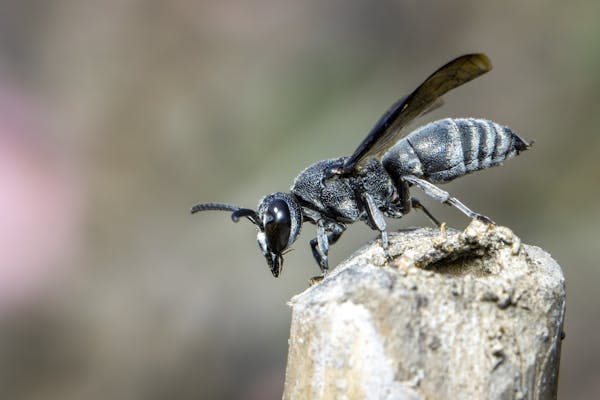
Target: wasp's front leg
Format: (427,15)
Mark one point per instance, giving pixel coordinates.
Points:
(328,232)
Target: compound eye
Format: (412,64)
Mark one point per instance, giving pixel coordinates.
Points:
(277,226)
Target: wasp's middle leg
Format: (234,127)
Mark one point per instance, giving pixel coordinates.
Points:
(377,220)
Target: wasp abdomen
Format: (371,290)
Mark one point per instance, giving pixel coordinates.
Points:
(452,147)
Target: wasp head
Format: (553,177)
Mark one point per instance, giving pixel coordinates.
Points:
(277,221)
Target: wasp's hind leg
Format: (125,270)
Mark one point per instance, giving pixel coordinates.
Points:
(327,234)
(442,196)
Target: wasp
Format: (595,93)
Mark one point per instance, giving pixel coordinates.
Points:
(375,181)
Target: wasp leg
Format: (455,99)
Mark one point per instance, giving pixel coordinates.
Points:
(327,234)
(377,220)
(442,196)
(416,203)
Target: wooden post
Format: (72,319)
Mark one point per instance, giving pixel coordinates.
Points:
(468,315)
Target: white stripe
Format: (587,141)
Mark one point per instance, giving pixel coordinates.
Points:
(455,152)
(474,137)
(490,141)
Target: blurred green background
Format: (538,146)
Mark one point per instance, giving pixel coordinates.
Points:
(117,116)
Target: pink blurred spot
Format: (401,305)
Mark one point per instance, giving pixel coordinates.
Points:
(37,203)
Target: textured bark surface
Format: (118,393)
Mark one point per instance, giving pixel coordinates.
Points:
(473,315)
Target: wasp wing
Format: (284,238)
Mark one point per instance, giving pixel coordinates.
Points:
(425,98)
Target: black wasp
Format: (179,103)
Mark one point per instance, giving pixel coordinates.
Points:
(374,182)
